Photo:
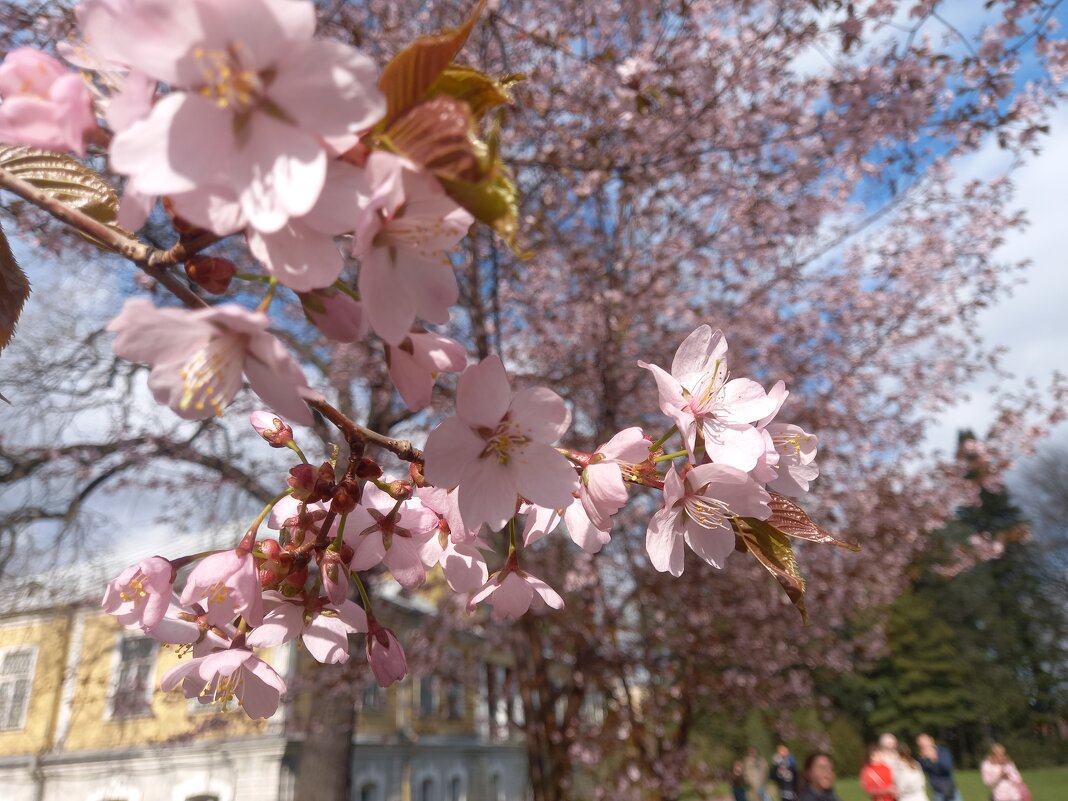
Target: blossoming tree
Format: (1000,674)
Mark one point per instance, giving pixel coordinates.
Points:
(653,173)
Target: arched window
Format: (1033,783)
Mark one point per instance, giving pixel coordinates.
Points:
(456,789)
(495,793)
(369,792)
(426,790)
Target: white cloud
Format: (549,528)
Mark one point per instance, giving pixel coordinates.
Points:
(1033,323)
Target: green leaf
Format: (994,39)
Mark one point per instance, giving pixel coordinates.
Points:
(64,178)
(494,201)
(773,550)
(410,74)
(14,289)
(479,91)
(793,521)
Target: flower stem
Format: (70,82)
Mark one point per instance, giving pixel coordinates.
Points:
(512,547)
(340,533)
(268,296)
(262,279)
(666,456)
(667,435)
(363,592)
(293,446)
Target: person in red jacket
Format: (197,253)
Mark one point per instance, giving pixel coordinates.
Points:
(876,778)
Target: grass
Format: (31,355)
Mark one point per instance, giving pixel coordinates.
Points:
(1047,784)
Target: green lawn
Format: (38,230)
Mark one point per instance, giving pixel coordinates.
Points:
(1047,784)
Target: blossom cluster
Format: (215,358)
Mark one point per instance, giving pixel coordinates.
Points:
(247,125)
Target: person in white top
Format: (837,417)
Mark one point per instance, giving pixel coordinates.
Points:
(1001,776)
(909,778)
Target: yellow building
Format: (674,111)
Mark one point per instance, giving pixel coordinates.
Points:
(82,717)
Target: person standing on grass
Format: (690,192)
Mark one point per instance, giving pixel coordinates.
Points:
(785,772)
(937,763)
(1001,776)
(756,775)
(738,782)
(818,778)
(876,778)
(908,777)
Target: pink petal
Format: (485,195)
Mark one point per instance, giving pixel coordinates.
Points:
(540,413)
(327,640)
(778,395)
(542,475)
(512,598)
(300,257)
(449,449)
(177,674)
(487,494)
(664,543)
(671,397)
(582,529)
(282,624)
(278,172)
(414,382)
(260,697)
(629,446)
(547,593)
(744,401)
(390,307)
(351,614)
(483,393)
(402,559)
(369,550)
(464,568)
(438,353)
(713,545)
(330,87)
(739,446)
(277,378)
(698,354)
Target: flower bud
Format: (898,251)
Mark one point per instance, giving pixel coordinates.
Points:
(272,428)
(385,654)
(210,273)
(324,481)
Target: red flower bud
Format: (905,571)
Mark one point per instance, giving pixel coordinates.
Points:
(272,428)
(302,480)
(346,496)
(368,468)
(211,273)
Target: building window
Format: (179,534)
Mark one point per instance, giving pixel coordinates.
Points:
(426,790)
(16,678)
(456,789)
(428,697)
(454,700)
(131,694)
(495,793)
(373,699)
(369,792)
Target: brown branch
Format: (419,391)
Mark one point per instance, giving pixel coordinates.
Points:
(155,262)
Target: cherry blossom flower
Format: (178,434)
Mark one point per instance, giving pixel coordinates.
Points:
(252,97)
(512,591)
(188,627)
(287,514)
(406,226)
(499,446)
(229,583)
(382,529)
(455,547)
(698,510)
(324,628)
(334,567)
(601,488)
(796,465)
(700,397)
(222,676)
(45,105)
(198,358)
(337,315)
(416,362)
(141,593)
(385,654)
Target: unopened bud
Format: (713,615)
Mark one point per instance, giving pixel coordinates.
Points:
(272,428)
(324,480)
(399,490)
(210,273)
